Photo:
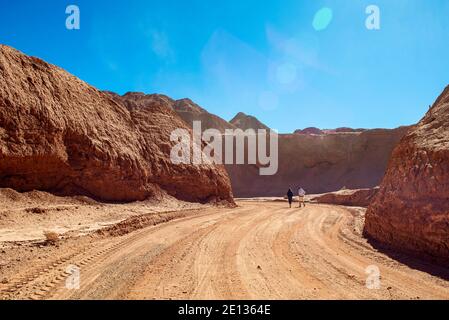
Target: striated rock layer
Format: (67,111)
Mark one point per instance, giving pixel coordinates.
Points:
(411,210)
(59,134)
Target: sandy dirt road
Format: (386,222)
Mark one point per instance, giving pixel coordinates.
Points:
(260,250)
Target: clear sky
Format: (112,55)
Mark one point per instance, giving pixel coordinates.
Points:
(265,58)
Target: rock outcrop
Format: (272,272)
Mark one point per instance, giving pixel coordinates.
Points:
(310,130)
(352,198)
(321,163)
(411,210)
(317,131)
(245,122)
(345,130)
(190,111)
(61,135)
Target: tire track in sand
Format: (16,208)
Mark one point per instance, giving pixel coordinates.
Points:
(261,250)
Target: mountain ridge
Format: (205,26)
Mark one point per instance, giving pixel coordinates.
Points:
(61,135)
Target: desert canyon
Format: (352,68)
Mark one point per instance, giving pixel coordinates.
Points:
(86,180)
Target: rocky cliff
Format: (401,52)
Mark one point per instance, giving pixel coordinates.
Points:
(319,160)
(411,210)
(59,134)
(321,163)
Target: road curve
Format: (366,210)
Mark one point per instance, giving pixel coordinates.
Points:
(260,250)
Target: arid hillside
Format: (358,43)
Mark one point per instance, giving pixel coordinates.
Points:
(61,135)
(245,122)
(190,111)
(411,210)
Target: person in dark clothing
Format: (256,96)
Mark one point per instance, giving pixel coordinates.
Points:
(290,197)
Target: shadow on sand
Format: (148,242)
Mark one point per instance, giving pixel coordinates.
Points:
(428,264)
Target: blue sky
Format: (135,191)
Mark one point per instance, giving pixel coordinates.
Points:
(261,57)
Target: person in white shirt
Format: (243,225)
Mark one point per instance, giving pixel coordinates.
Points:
(301,194)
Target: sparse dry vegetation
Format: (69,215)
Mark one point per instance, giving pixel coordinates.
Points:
(51,237)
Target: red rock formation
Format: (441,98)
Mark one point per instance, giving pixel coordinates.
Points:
(313,130)
(411,210)
(352,198)
(245,122)
(343,130)
(61,135)
(321,163)
(347,130)
(310,130)
(190,111)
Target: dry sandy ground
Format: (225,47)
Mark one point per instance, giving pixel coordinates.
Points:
(260,250)
(26,216)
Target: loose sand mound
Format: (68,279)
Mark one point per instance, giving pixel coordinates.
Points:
(354,198)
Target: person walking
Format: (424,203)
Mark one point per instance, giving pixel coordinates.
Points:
(301,195)
(290,197)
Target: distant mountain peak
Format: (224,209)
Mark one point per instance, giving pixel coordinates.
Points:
(187,105)
(240,115)
(245,122)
